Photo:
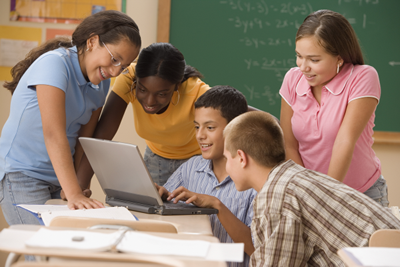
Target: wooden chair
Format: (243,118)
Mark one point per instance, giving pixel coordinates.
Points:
(142,225)
(389,238)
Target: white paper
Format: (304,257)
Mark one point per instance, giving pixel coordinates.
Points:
(137,242)
(226,252)
(38,209)
(13,51)
(374,256)
(64,239)
(49,212)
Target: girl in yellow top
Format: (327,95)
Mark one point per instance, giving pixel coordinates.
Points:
(162,90)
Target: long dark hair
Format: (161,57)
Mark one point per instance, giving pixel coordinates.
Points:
(165,61)
(111,26)
(334,33)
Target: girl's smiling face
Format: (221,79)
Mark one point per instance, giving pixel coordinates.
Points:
(98,63)
(318,66)
(154,93)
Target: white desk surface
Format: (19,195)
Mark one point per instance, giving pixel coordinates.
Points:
(185,224)
(346,259)
(15,243)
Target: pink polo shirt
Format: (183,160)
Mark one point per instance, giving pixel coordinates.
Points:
(315,126)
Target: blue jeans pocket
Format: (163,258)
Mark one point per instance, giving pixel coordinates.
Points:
(1,190)
(378,192)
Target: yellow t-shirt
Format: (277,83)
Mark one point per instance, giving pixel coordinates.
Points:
(170,134)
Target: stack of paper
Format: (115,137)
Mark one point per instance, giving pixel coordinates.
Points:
(137,242)
(45,213)
(134,242)
(80,240)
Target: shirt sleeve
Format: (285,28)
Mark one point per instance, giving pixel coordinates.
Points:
(288,88)
(365,84)
(50,69)
(278,242)
(123,85)
(250,211)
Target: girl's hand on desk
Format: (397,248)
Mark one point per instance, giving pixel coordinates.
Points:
(80,201)
(87,193)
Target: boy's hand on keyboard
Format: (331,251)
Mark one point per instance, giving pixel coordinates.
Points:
(164,193)
(200,200)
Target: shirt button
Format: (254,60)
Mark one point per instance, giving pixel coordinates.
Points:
(217,188)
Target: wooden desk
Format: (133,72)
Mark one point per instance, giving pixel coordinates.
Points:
(15,243)
(185,224)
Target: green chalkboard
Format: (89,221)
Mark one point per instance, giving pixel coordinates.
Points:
(250,44)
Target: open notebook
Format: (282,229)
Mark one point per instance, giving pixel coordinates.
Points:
(125,180)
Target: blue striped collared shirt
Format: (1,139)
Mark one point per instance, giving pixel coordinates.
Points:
(197,176)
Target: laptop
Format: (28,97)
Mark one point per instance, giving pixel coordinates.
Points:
(125,180)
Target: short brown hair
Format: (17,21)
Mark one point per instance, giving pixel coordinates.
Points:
(259,135)
(334,33)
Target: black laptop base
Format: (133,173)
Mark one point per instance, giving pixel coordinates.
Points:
(169,208)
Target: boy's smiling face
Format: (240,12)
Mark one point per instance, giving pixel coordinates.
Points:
(210,125)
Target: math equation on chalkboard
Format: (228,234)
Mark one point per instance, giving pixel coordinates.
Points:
(250,45)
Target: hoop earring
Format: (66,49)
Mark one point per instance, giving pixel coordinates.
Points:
(337,70)
(179,96)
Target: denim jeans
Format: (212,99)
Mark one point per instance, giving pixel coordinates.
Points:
(17,188)
(160,168)
(378,192)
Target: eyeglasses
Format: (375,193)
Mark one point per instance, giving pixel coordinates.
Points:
(116,62)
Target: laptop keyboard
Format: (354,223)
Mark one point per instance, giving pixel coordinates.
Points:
(179,205)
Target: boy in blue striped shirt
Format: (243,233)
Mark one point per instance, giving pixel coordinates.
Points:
(203,180)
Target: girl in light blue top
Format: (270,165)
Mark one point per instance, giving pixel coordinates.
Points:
(58,93)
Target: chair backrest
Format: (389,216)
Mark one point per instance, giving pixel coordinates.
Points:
(142,225)
(389,238)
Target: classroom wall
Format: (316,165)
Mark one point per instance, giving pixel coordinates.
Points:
(145,15)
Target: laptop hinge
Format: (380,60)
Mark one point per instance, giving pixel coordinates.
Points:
(133,206)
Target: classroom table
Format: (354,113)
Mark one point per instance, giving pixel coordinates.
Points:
(14,242)
(185,224)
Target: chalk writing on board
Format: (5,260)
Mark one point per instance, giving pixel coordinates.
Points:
(256,43)
(360,2)
(271,63)
(262,7)
(267,31)
(266,93)
(258,24)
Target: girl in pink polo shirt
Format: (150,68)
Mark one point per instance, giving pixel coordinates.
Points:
(328,105)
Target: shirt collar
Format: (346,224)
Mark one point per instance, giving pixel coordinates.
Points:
(335,86)
(73,53)
(206,166)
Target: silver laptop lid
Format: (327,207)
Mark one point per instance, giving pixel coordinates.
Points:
(121,171)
